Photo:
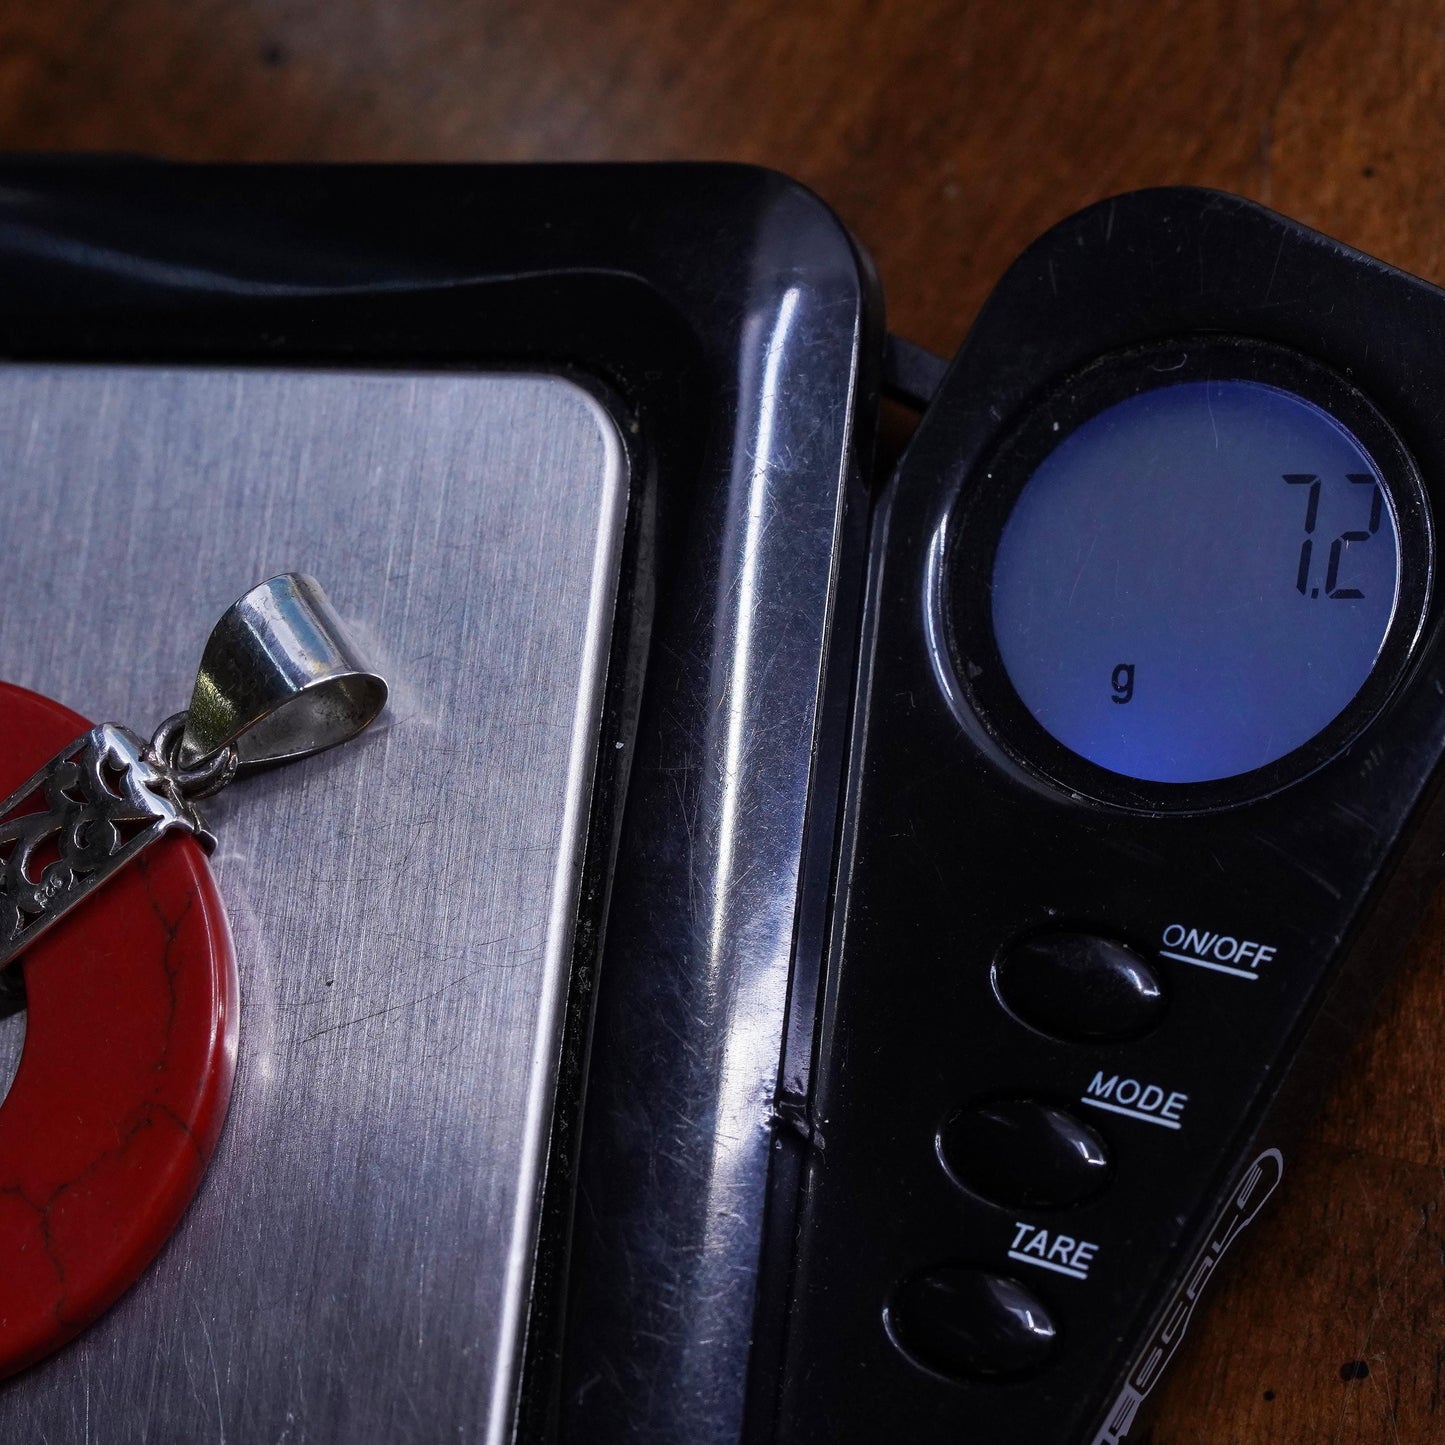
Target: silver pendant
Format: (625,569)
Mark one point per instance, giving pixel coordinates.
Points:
(279,680)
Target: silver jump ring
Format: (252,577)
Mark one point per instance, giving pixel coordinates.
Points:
(205,778)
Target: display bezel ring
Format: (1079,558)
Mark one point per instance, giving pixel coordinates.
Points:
(977,516)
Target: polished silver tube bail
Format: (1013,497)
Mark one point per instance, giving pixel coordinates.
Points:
(280,679)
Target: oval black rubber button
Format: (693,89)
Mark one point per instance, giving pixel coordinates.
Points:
(1021,1152)
(1079,987)
(968,1323)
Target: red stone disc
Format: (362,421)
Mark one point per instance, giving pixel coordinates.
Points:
(130,1048)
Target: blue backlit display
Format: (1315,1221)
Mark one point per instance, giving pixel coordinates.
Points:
(1196,581)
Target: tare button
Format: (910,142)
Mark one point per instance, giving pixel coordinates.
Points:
(1216,950)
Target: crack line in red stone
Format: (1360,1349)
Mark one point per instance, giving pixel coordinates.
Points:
(139,1119)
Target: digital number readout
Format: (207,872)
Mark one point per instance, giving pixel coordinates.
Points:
(1333,587)
(1196,581)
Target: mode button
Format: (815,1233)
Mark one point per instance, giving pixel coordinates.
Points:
(1079,987)
(1020,1152)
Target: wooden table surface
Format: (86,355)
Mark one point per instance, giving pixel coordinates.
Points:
(948,134)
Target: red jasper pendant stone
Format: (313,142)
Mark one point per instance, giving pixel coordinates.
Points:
(130,1049)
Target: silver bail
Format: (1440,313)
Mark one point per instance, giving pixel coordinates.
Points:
(279,679)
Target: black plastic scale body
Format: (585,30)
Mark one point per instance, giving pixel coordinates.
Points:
(974,1187)
(1069,1014)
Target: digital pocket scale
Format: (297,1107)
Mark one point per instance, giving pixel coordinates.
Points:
(790,967)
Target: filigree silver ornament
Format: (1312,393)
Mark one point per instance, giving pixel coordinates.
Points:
(280,679)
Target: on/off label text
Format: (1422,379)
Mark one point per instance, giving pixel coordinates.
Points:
(1217,951)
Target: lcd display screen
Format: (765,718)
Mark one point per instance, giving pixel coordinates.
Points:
(1196,580)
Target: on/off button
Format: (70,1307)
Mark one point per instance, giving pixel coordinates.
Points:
(1079,987)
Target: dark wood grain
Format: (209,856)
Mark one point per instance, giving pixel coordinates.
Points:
(948,134)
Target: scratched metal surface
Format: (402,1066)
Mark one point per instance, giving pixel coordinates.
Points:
(355,1265)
